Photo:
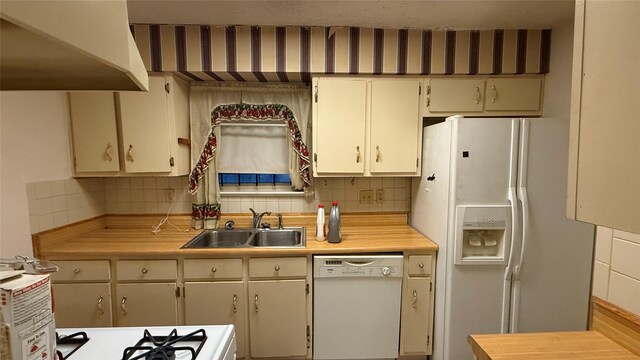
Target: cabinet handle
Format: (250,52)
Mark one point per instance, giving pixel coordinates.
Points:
(145,270)
(130,153)
(377,153)
(76,271)
(256,303)
(122,305)
(357,154)
(277,268)
(213,269)
(494,93)
(478,95)
(100,309)
(107,152)
(415,298)
(235,303)
(421,266)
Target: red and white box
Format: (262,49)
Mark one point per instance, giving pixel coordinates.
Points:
(27,317)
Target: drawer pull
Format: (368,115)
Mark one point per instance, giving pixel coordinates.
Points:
(76,271)
(235,303)
(494,93)
(213,269)
(100,309)
(145,270)
(478,96)
(255,302)
(122,305)
(421,266)
(415,298)
(277,268)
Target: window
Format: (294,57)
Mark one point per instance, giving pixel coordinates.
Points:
(253,179)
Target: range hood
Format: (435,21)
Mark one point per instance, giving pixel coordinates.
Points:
(68,45)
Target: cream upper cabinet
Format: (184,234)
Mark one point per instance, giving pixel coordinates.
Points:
(604,170)
(513,94)
(455,95)
(519,95)
(94,132)
(137,133)
(366,126)
(339,126)
(395,126)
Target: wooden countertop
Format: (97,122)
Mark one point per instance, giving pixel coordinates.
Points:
(585,345)
(132,237)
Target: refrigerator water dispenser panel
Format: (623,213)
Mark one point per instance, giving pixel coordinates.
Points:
(482,234)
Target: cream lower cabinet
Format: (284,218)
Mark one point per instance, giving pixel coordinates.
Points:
(150,295)
(417,306)
(278,325)
(210,297)
(82,293)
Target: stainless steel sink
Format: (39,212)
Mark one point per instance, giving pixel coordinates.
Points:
(248,238)
(279,237)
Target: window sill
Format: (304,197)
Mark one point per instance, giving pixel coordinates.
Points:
(262,193)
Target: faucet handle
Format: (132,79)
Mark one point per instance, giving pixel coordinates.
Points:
(253,212)
(279,215)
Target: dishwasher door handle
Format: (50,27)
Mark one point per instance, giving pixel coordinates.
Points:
(359,263)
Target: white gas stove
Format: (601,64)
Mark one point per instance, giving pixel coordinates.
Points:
(213,342)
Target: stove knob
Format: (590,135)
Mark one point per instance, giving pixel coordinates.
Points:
(386,271)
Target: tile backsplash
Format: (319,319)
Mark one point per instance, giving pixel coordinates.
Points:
(61,202)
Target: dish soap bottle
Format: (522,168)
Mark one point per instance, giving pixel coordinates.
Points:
(334,235)
(320,228)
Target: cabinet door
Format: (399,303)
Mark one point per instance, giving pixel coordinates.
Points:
(339,126)
(513,94)
(146,304)
(82,305)
(278,318)
(145,128)
(395,125)
(416,316)
(455,95)
(217,303)
(93,131)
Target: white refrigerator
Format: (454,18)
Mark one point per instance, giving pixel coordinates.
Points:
(492,196)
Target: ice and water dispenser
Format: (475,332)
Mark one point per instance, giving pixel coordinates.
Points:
(482,234)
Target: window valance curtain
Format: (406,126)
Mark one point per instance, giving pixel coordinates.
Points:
(212,105)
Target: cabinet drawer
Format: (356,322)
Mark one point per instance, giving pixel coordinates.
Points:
(277,267)
(419,265)
(82,271)
(147,270)
(213,269)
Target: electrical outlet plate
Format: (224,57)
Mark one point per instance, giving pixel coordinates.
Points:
(366,196)
(380,195)
(169,195)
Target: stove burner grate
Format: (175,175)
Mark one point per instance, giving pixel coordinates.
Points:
(78,339)
(165,347)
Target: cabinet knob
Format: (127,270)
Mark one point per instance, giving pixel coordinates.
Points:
(122,305)
(145,270)
(130,153)
(214,269)
(421,266)
(377,153)
(76,271)
(100,309)
(478,96)
(107,152)
(277,268)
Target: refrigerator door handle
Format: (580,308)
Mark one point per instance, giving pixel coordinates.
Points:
(508,274)
(515,297)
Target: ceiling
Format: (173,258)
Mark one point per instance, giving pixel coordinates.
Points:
(420,14)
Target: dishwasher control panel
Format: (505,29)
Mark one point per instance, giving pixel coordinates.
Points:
(358,266)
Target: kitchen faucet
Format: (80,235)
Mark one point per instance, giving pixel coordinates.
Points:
(257,218)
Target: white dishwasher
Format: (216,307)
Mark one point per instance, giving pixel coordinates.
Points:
(356,306)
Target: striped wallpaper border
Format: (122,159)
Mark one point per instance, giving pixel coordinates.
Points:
(293,53)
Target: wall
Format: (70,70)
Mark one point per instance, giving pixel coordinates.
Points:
(35,146)
(616,271)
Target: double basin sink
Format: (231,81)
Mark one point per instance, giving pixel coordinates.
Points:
(293,237)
